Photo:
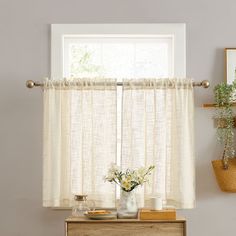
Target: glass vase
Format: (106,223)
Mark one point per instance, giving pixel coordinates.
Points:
(127,208)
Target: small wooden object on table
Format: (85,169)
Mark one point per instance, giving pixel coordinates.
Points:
(165,214)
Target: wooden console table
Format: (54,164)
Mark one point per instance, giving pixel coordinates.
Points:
(118,227)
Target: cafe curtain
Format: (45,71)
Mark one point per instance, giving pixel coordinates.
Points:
(158,129)
(79,140)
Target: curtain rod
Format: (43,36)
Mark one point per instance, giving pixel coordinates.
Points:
(32,84)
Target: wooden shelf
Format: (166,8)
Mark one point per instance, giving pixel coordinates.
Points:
(209,105)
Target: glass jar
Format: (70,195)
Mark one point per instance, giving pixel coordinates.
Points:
(82,205)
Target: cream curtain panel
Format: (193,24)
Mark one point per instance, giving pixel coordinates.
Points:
(79,140)
(158,129)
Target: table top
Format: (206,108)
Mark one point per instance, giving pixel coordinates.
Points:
(86,220)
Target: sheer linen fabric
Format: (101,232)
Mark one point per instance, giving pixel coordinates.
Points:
(79,140)
(158,129)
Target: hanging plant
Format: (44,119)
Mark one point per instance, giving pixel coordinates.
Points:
(224,97)
(225,169)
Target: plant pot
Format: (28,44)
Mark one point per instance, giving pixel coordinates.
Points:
(222,123)
(226,178)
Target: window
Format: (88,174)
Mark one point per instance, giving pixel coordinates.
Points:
(118,51)
(118,57)
(151,50)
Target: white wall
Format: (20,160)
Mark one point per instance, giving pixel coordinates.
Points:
(24,54)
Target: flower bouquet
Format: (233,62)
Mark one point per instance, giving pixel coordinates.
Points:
(128,180)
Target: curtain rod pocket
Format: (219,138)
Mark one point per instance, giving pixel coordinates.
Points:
(32,84)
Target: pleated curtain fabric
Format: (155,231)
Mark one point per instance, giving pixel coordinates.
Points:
(158,129)
(80,124)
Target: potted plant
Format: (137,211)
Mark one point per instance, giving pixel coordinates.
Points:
(225,169)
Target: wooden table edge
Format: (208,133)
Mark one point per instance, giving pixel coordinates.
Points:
(79,220)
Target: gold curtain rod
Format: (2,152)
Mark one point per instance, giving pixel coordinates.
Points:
(32,84)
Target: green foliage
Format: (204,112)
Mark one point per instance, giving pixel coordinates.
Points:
(224,96)
(82,64)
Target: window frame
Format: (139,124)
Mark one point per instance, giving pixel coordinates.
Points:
(175,30)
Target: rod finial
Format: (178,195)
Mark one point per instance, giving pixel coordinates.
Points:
(205,84)
(30,84)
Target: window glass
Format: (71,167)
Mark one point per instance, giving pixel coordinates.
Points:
(118,57)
